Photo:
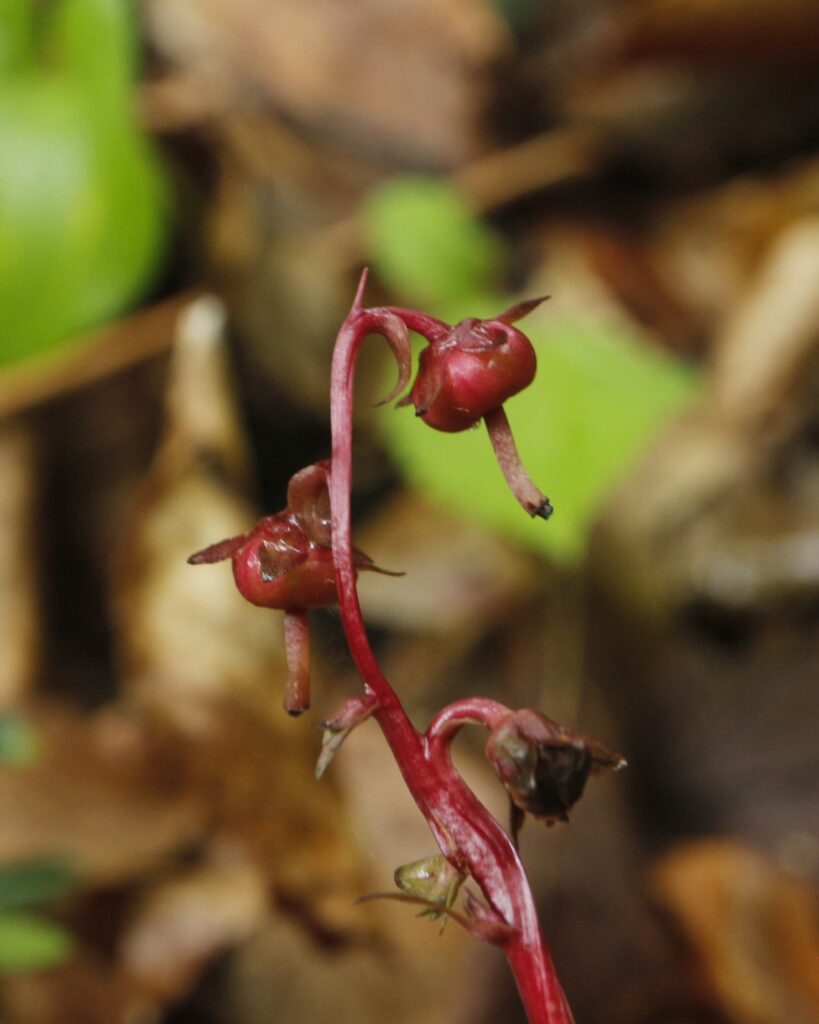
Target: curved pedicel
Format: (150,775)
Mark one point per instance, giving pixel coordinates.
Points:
(544,766)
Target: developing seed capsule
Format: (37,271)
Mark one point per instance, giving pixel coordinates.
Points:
(471,369)
(277,566)
(465,374)
(286,562)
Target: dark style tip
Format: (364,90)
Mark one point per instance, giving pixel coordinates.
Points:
(544,509)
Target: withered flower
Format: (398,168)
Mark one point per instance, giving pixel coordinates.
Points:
(544,766)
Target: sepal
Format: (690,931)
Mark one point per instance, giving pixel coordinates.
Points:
(519,310)
(352,712)
(218,552)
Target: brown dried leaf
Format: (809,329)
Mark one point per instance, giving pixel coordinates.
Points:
(181,923)
(100,794)
(186,636)
(711,244)
(307,61)
(751,930)
(705,31)
(708,496)
(84,991)
(773,334)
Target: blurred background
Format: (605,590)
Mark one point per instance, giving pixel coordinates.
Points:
(188,190)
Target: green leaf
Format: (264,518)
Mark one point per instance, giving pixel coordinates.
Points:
(16,34)
(30,943)
(427,243)
(597,401)
(82,200)
(19,743)
(94,43)
(35,882)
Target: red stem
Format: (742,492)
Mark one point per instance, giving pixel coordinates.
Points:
(539,988)
(429,327)
(447,722)
(465,831)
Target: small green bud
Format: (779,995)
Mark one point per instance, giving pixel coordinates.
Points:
(432,879)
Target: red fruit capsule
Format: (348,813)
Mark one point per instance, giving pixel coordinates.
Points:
(466,374)
(286,562)
(472,371)
(278,566)
(472,368)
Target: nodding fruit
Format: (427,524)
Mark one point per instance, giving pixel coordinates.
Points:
(465,374)
(472,368)
(286,562)
(544,766)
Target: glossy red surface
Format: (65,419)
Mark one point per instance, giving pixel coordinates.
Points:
(476,369)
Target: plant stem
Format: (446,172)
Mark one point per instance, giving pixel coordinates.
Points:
(447,722)
(466,833)
(539,988)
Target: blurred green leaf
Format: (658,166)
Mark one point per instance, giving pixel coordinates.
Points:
(19,743)
(16,34)
(599,397)
(35,882)
(94,43)
(427,243)
(30,943)
(82,201)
